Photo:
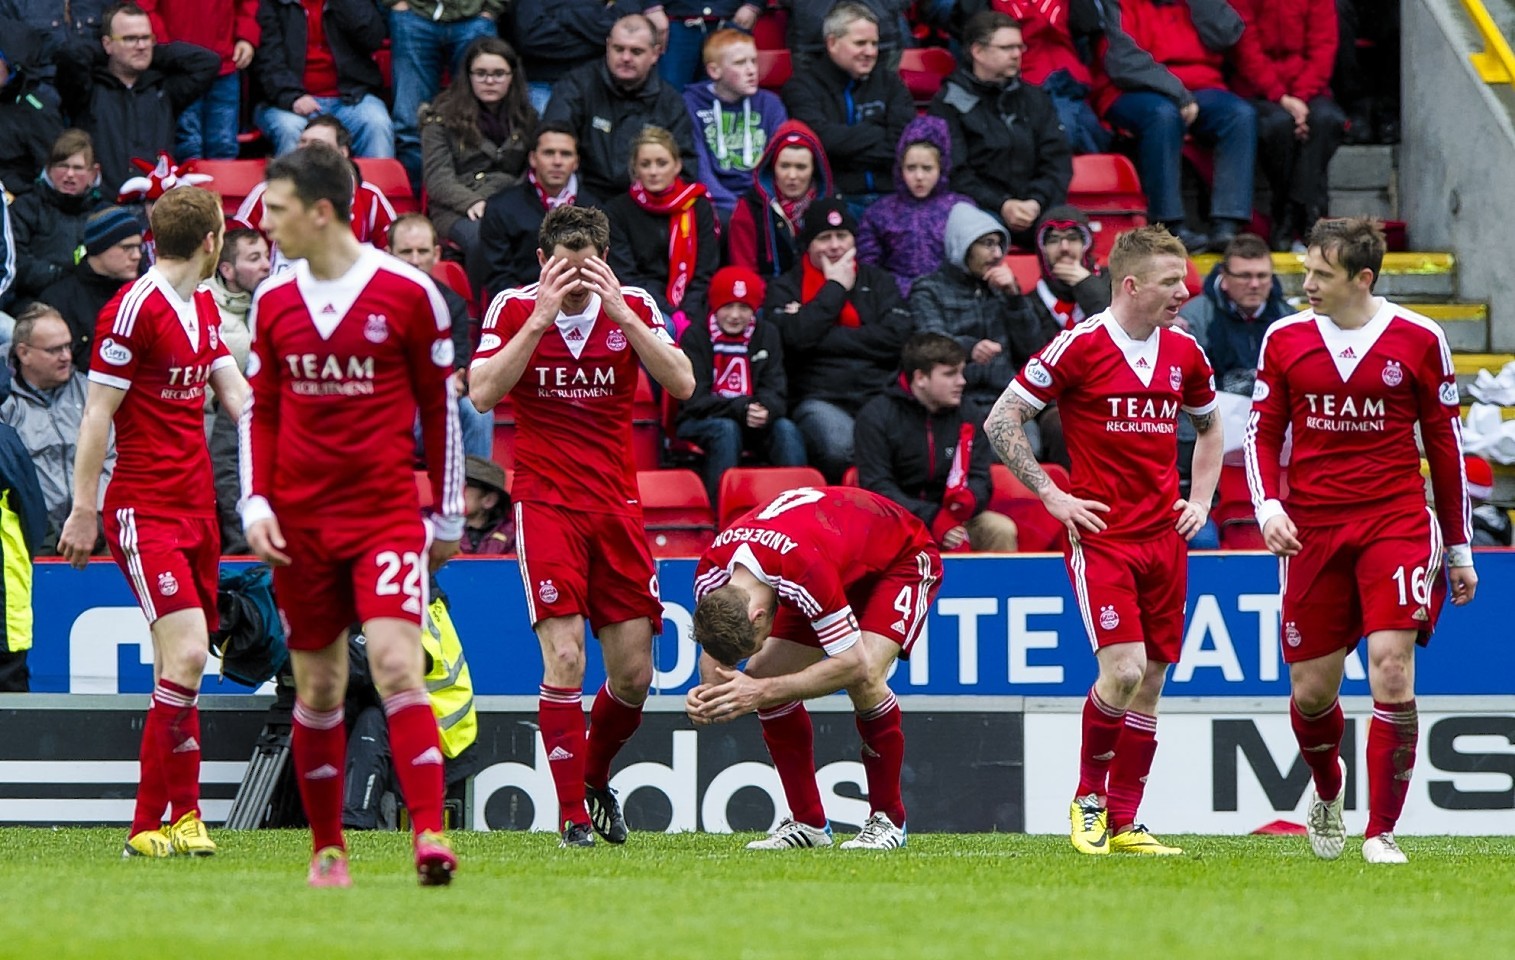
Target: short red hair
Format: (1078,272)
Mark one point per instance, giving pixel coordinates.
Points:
(719,42)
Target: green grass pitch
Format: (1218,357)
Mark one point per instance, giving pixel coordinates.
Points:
(517,896)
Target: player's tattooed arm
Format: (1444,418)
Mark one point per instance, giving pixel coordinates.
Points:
(1204,422)
(1006,430)
(1209,448)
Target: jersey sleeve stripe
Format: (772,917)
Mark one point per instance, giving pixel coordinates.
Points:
(119,383)
(1201,411)
(1027,396)
(497,305)
(126,312)
(244,447)
(1054,351)
(652,305)
(221,363)
(1250,461)
(713,579)
(798,596)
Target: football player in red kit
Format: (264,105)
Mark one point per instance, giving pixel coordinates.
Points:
(566,350)
(1120,379)
(157,345)
(349,347)
(819,591)
(1362,554)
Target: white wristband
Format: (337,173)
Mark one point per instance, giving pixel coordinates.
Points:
(1460,555)
(254,509)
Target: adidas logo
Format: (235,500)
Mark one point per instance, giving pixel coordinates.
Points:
(328,309)
(324,772)
(429,755)
(1141,362)
(574,334)
(900,626)
(558,753)
(188,746)
(1347,354)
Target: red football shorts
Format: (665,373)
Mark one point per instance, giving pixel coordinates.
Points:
(341,574)
(1132,591)
(171,563)
(594,565)
(893,604)
(1372,573)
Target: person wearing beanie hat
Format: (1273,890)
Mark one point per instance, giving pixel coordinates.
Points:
(112,257)
(739,402)
(843,324)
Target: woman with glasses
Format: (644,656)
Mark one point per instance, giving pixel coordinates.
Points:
(475,137)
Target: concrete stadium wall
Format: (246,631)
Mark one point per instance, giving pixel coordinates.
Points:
(1456,175)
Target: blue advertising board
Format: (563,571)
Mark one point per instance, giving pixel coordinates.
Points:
(1001,626)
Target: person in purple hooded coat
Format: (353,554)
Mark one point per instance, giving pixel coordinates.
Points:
(903,232)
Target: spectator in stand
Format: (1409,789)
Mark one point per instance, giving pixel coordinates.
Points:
(507,251)
(141,193)
(243,266)
(372,212)
(49,221)
(1241,300)
(1008,148)
(317,59)
(556,37)
(489,526)
(1491,524)
(1072,287)
(29,114)
(740,387)
(45,406)
(1283,65)
(843,324)
(112,257)
(733,119)
(903,232)
(692,24)
(7,262)
(807,36)
(429,38)
(1159,77)
(973,298)
(474,139)
(857,111)
(1053,31)
(23,523)
(791,175)
(607,103)
(128,90)
(921,444)
(663,232)
(228,28)
(64,21)
(413,239)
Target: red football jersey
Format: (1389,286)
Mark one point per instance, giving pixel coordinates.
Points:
(339,370)
(1353,398)
(161,350)
(1120,400)
(371,216)
(573,403)
(810,545)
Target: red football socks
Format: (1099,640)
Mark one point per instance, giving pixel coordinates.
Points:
(791,744)
(1102,730)
(1393,735)
(612,721)
(560,715)
(1319,739)
(178,738)
(884,757)
(1128,771)
(415,745)
(318,746)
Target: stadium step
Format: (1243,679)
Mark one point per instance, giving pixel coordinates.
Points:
(1467,365)
(1364,182)
(1426,277)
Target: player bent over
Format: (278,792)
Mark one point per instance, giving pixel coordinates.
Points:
(1354,376)
(566,350)
(819,591)
(157,345)
(1120,379)
(348,348)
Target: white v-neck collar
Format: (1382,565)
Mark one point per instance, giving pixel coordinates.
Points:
(185,310)
(1348,347)
(1141,355)
(575,328)
(329,300)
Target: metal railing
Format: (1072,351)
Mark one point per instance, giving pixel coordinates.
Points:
(1495,63)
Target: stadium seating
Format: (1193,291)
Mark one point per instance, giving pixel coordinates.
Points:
(646,425)
(1038,531)
(774,69)
(390,177)
(743,488)
(676,512)
(1233,513)
(233,179)
(849,479)
(1027,268)
(923,69)
(1107,188)
(452,273)
(768,31)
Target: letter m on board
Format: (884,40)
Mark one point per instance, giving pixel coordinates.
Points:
(1284,790)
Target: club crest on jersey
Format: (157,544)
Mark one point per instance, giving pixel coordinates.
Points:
(547,592)
(615,340)
(1175,378)
(253,365)
(1108,618)
(1393,374)
(215,336)
(115,353)
(167,585)
(1038,374)
(1291,634)
(376,328)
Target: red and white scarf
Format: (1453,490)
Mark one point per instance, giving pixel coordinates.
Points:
(733,361)
(565,196)
(677,204)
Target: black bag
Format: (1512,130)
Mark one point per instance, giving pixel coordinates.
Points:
(250,640)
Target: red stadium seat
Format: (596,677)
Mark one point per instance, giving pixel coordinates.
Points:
(1193,282)
(768,31)
(743,488)
(646,425)
(452,273)
(679,450)
(923,69)
(1027,268)
(1233,513)
(233,179)
(849,479)
(676,512)
(1107,188)
(390,177)
(1039,532)
(774,68)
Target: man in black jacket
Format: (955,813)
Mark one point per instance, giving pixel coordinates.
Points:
(608,102)
(740,388)
(48,223)
(843,324)
(908,445)
(858,112)
(352,32)
(506,255)
(29,113)
(554,37)
(1009,151)
(112,257)
(127,92)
